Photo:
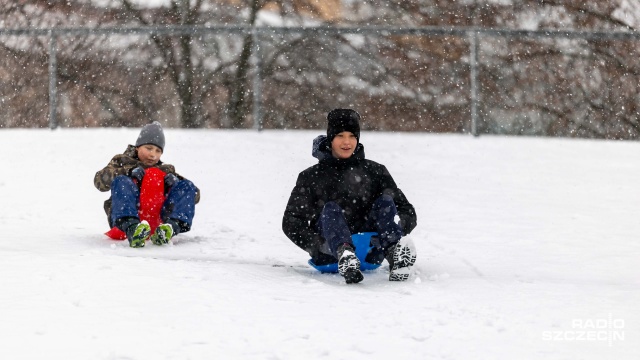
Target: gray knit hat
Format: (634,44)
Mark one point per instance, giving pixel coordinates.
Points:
(151,134)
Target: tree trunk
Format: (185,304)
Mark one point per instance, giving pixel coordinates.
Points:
(239,99)
(185,87)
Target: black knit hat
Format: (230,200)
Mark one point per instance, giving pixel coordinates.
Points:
(151,134)
(340,120)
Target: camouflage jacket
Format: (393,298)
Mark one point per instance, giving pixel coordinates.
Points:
(122,164)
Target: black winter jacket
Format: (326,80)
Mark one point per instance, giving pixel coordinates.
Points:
(354,184)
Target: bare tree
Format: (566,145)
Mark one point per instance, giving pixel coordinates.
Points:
(561,87)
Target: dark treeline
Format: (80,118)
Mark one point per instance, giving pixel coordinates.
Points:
(534,86)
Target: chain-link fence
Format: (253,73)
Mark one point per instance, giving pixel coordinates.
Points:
(559,83)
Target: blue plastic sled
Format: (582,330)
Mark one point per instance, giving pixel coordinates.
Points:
(362,242)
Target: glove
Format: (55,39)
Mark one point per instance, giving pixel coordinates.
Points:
(170,180)
(137,174)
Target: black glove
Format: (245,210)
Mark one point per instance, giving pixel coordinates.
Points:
(170,180)
(137,174)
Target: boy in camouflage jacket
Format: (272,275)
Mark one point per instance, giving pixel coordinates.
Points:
(123,176)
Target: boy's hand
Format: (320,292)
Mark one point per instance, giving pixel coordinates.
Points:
(169,181)
(137,174)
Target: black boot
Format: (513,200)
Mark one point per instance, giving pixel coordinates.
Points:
(348,264)
(401,257)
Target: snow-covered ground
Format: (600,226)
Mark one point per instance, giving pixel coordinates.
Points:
(528,249)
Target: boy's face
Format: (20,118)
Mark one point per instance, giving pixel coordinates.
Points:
(343,145)
(149,154)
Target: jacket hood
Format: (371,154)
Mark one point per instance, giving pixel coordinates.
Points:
(321,150)
(131,152)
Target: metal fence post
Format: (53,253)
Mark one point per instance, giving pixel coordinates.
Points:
(257,82)
(473,43)
(53,91)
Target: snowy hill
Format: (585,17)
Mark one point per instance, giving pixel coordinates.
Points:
(527,249)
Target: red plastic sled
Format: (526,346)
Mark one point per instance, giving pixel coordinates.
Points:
(151,200)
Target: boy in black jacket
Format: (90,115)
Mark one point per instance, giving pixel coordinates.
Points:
(346,194)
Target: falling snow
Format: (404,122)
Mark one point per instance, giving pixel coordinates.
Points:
(518,239)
